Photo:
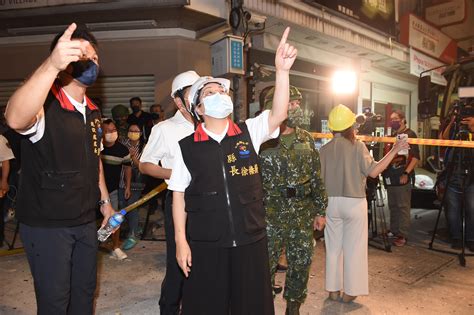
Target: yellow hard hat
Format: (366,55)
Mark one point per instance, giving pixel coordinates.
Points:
(341,118)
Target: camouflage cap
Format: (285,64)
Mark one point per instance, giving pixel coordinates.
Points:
(119,111)
(295,94)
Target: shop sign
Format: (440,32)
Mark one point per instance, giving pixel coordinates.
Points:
(417,33)
(227,56)
(27,4)
(447,13)
(379,14)
(420,62)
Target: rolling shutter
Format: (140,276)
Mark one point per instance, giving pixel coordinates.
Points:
(7,88)
(118,90)
(110,90)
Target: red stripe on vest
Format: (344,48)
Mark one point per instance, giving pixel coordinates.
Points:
(64,100)
(201,135)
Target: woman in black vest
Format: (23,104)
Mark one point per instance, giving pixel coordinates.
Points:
(223,253)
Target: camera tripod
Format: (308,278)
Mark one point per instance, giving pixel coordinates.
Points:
(375,204)
(466,172)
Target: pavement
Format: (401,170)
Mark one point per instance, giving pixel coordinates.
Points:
(409,280)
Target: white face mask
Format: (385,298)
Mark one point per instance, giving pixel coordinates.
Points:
(111,137)
(218,105)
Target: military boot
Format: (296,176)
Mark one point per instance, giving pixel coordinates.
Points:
(292,308)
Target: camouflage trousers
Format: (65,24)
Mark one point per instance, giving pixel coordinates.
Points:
(298,242)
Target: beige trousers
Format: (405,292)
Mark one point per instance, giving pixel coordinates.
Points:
(346,246)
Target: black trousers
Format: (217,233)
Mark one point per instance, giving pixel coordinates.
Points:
(229,281)
(2,222)
(63,262)
(172,285)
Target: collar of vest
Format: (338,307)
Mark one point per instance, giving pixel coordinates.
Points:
(64,100)
(200,135)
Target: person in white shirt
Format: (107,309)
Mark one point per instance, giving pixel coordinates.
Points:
(218,212)
(161,148)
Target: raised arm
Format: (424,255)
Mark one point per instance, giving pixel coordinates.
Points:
(28,100)
(284,58)
(385,161)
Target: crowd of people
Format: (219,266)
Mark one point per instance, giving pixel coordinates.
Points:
(239,194)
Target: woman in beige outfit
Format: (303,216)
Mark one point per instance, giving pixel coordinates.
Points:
(345,165)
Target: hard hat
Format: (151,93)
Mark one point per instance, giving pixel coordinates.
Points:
(341,118)
(200,83)
(183,80)
(295,94)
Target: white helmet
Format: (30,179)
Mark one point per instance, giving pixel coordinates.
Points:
(183,80)
(200,83)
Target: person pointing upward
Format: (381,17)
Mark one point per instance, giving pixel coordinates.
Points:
(61,181)
(216,178)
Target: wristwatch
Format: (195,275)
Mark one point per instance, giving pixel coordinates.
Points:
(405,173)
(104,202)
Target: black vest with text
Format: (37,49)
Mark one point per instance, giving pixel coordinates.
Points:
(224,201)
(59,179)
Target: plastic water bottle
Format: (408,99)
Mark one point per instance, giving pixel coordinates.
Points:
(114,221)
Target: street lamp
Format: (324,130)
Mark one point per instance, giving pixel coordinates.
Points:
(344,82)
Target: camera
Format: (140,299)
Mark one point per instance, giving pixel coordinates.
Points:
(368,121)
(255,19)
(461,109)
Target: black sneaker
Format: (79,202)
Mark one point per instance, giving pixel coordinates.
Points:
(456,244)
(277,289)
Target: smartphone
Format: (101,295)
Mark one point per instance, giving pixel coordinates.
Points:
(402,136)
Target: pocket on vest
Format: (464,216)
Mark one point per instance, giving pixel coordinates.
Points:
(253,210)
(61,195)
(203,222)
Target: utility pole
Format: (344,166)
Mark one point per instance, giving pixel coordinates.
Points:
(239,82)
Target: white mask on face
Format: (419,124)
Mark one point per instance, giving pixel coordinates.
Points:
(111,137)
(218,105)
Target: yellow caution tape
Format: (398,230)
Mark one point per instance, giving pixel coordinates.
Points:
(147,197)
(9,252)
(434,142)
(131,207)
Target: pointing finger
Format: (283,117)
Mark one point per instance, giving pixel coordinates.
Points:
(85,47)
(284,36)
(68,33)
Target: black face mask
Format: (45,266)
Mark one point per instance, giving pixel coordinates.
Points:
(85,72)
(135,109)
(155,116)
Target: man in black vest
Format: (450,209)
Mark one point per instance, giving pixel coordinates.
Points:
(216,178)
(61,181)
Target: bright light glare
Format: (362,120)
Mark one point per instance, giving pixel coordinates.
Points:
(344,82)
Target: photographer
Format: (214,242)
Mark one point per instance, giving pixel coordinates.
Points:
(459,166)
(398,178)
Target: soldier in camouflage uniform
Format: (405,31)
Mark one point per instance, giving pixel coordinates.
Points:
(295,199)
